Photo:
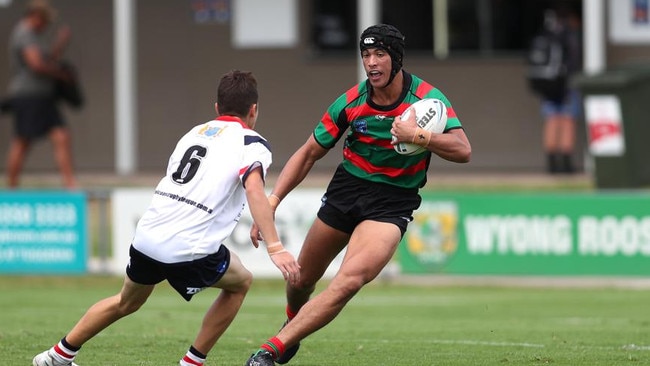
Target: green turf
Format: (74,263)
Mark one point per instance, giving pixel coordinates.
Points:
(386,324)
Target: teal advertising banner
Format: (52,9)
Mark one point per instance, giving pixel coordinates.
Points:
(43,232)
(529,234)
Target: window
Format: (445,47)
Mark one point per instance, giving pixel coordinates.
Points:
(442,28)
(334,26)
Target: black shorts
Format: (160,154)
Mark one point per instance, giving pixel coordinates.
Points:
(350,200)
(34,117)
(187,278)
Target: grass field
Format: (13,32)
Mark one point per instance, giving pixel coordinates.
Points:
(386,324)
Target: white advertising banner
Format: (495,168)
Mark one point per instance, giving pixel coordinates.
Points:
(604,125)
(293,219)
(128,205)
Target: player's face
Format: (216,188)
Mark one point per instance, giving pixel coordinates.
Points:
(377,64)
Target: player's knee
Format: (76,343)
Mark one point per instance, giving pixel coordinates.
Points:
(242,283)
(348,286)
(247,281)
(303,285)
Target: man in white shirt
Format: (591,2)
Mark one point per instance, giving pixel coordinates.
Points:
(214,170)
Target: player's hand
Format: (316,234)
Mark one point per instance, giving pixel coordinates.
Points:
(287,264)
(256,235)
(403,129)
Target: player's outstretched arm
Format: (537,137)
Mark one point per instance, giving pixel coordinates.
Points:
(263,217)
(297,167)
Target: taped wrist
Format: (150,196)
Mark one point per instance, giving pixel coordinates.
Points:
(275,248)
(421,137)
(274,197)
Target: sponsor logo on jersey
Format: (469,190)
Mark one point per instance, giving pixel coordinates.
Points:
(381,117)
(360,126)
(209,131)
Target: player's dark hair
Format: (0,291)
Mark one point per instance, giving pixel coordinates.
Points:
(236,93)
(388,38)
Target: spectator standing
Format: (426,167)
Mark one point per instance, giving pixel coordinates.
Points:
(35,70)
(560,113)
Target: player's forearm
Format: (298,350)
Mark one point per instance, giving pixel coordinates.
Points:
(297,167)
(293,173)
(262,214)
(450,146)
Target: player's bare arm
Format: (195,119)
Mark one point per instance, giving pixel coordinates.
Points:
(294,171)
(298,166)
(263,216)
(452,145)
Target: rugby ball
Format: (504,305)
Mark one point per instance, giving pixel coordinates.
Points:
(430,115)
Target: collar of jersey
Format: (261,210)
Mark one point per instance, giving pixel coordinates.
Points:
(232,119)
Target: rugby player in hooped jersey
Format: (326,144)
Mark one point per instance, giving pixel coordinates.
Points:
(214,170)
(373,193)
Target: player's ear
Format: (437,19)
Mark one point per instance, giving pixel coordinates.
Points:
(252,112)
(216,108)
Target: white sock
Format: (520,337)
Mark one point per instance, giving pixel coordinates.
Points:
(193,358)
(62,354)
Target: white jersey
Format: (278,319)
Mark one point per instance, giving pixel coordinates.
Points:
(198,203)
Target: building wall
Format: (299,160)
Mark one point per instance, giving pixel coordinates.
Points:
(180,61)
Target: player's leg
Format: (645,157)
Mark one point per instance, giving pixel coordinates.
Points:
(106,312)
(235,284)
(322,244)
(97,318)
(61,141)
(370,247)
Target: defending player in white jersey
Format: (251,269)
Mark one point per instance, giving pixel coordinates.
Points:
(214,170)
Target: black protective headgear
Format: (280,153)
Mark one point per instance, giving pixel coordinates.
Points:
(388,38)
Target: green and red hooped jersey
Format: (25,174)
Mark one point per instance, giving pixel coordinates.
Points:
(367,151)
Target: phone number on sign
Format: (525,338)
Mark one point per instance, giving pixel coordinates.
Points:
(40,214)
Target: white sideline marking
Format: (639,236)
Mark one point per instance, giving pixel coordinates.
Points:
(476,343)
(635,347)
(451,341)
(626,347)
